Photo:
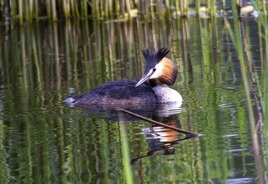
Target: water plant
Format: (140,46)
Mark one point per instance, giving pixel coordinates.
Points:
(33,10)
(239,39)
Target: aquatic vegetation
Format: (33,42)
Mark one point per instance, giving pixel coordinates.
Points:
(262,82)
(256,99)
(222,74)
(34,10)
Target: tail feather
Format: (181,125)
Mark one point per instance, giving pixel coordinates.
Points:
(70,101)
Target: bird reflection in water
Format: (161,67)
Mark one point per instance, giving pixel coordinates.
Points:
(159,137)
(162,138)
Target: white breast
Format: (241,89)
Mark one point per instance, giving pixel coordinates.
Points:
(165,94)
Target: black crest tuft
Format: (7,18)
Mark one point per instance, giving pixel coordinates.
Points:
(157,56)
(152,58)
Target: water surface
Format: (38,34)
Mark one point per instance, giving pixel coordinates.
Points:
(42,140)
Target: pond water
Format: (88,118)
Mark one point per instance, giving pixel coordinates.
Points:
(44,141)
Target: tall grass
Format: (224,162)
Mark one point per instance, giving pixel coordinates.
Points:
(29,10)
(125,150)
(239,39)
(262,80)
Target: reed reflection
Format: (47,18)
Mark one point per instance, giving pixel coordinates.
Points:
(42,140)
(162,136)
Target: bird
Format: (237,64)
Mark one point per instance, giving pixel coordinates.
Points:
(152,88)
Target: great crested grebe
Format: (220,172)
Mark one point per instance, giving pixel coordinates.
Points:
(153,87)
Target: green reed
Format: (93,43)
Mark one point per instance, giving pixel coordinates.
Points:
(240,39)
(205,36)
(125,150)
(29,10)
(262,80)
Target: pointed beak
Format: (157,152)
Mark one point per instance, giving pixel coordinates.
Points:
(145,78)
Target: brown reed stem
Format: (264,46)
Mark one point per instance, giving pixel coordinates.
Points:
(156,123)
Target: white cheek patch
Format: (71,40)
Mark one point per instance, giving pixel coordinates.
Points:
(158,71)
